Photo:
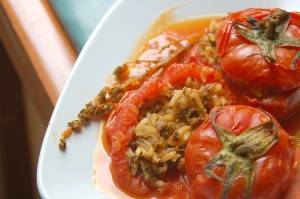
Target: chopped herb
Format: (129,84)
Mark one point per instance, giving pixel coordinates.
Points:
(62,144)
(75,124)
(100,98)
(89,112)
(116,93)
(120,72)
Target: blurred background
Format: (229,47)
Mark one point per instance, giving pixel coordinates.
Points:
(40,41)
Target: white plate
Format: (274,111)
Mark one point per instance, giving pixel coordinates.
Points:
(69,175)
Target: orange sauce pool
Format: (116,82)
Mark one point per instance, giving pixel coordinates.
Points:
(102,176)
(190,26)
(165,24)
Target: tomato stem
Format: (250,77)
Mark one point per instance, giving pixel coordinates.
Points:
(269,34)
(239,153)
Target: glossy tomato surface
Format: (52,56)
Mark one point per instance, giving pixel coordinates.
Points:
(273,171)
(242,61)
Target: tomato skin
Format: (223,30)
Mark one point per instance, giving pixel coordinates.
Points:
(243,63)
(273,171)
(122,121)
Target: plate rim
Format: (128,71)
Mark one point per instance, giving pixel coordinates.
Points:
(40,186)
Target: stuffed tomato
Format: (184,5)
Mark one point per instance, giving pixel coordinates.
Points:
(259,52)
(260,48)
(149,129)
(239,152)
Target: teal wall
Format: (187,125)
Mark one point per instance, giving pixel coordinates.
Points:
(79,17)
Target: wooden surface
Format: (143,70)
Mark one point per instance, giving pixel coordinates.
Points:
(43,57)
(31,28)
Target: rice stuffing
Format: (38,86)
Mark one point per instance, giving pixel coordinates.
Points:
(207,43)
(161,135)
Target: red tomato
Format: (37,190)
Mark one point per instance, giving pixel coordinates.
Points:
(242,60)
(272,169)
(121,123)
